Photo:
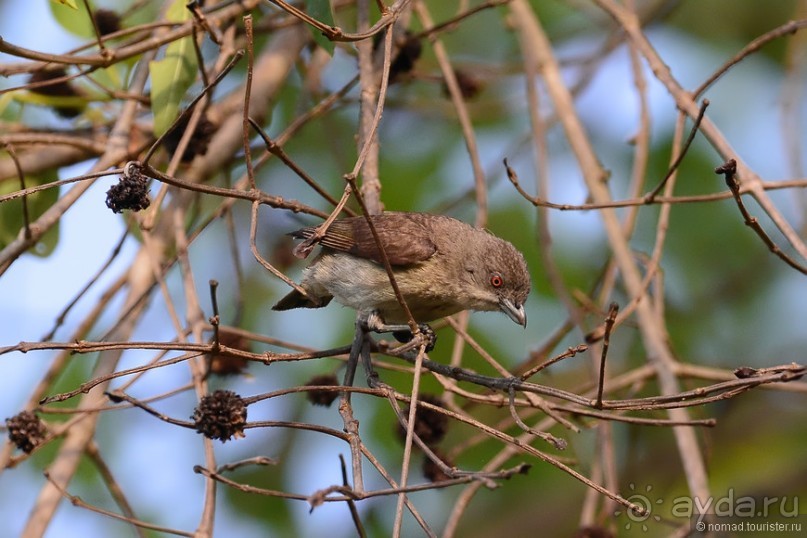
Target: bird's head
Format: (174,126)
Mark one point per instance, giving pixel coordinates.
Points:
(497,278)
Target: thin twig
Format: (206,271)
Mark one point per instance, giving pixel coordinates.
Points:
(679,159)
(606,342)
(729,171)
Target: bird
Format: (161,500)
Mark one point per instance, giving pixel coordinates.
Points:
(441,265)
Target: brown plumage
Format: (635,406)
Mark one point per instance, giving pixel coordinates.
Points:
(441,265)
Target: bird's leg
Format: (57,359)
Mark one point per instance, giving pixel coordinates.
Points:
(353,358)
(377,324)
(360,349)
(401,332)
(406,336)
(366,359)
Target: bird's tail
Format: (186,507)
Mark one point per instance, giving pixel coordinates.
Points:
(295,299)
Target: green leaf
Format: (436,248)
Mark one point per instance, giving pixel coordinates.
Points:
(68,3)
(72,18)
(6,112)
(53,101)
(110,77)
(178,11)
(321,10)
(11,215)
(173,75)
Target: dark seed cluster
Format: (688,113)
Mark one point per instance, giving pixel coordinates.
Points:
(58,89)
(131,192)
(432,471)
(221,415)
(107,21)
(409,49)
(430,425)
(470,86)
(200,139)
(26,430)
(322,397)
(408,55)
(224,365)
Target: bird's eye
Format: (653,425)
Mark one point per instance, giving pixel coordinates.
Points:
(496,280)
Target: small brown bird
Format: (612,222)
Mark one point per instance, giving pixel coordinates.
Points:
(441,265)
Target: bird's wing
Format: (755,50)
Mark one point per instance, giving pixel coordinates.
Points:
(405,238)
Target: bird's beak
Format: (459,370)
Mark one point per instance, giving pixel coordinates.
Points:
(513,311)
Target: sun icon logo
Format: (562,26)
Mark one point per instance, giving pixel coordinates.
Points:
(644,501)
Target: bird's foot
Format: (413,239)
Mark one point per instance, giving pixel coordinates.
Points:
(426,332)
(401,332)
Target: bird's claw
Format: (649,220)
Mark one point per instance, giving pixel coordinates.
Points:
(426,332)
(402,333)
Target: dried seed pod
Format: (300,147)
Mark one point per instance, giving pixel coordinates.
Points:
(432,472)
(131,192)
(406,52)
(107,21)
(26,430)
(431,426)
(58,89)
(322,397)
(200,139)
(470,86)
(225,365)
(221,415)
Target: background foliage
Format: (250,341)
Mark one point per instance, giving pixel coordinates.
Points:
(718,298)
